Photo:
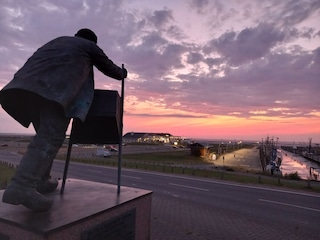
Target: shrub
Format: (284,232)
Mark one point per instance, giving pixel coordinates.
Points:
(292,176)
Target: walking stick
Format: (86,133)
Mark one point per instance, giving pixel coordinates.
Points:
(120,133)
(66,166)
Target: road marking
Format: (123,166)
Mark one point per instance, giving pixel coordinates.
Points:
(185,186)
(290,205)
(207,181)
(231,184)
(127,176)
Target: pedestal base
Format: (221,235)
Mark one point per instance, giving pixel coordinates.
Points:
(86,210)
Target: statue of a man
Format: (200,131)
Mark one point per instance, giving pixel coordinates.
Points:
(54,85)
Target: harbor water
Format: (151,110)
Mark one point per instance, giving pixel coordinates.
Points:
(292,163)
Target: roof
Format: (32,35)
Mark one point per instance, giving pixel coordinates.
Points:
(143,134)
(196,144)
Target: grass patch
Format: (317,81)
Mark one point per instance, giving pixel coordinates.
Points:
(172,157)
(7,173)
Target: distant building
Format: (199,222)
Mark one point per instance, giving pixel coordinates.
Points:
(146,137)
(198,150)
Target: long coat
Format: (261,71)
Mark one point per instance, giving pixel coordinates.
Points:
(60,71)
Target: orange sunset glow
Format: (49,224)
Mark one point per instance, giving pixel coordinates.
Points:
(225,127)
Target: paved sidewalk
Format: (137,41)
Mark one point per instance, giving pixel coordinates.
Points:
(247,158)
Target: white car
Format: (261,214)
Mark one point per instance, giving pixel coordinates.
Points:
(102,152)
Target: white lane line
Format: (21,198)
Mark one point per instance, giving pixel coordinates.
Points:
(127,176)
(222,183)
(178,185)
(290,205)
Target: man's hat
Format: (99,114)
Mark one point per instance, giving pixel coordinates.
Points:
(87,34)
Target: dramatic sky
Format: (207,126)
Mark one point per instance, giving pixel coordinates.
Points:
(219,69)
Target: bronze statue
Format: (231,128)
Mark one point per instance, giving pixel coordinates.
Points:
(54,85)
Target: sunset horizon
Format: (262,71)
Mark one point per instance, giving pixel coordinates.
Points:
(198,69)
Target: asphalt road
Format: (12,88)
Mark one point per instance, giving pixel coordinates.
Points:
(196,208)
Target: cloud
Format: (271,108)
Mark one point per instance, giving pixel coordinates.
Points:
(161,17)
(199,5)
(193,59)
(248,45)
(294,12)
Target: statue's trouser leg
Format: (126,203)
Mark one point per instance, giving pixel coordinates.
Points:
(38,159)
(45,185)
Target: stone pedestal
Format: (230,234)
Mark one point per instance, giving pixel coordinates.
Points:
(86,210)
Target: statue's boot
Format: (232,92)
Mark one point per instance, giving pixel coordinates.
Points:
(26,194)
(34,164)
(22,188)
(47,184)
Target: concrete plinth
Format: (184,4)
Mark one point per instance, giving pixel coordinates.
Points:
(86,210)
